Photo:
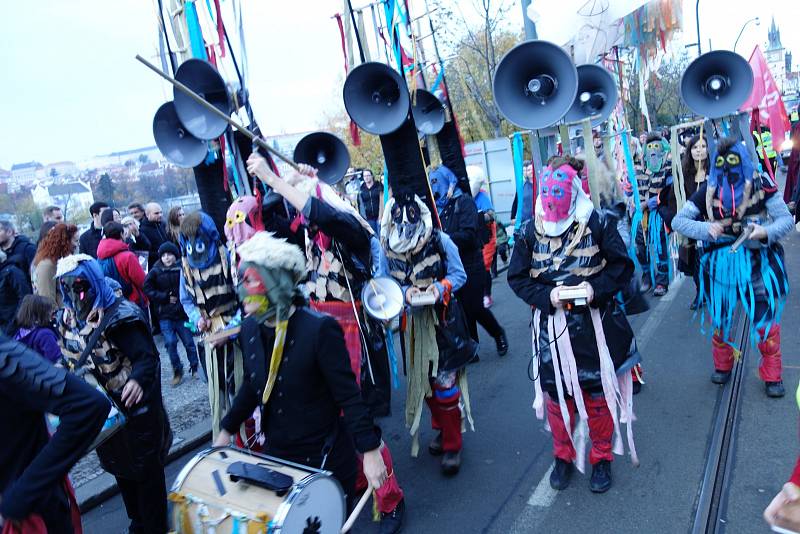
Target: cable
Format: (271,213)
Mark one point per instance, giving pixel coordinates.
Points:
(537,354)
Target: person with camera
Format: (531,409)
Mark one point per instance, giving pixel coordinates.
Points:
(568,265)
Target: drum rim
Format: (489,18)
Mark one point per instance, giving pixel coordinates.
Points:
(276,524)
(191,464)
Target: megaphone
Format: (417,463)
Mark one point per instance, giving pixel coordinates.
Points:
(202,78)
(597,95)
(428,112)
(382,298)
(717,84)
(327,153)
(535,84)
(174,141)
(376,98)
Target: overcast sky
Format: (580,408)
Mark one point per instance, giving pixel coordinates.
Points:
(71,87)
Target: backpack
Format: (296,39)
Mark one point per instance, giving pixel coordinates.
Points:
(110,270)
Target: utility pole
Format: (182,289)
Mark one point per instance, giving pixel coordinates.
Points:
(530,26)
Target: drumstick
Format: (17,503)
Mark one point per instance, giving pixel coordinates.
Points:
(357,510)
(222,334)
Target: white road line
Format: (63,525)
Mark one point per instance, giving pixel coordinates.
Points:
(543,496)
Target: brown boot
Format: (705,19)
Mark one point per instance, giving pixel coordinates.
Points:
(177,378)
(451,462)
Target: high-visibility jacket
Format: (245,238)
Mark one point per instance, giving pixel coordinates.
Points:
(765,140)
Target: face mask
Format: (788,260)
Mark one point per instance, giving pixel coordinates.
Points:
(81,293)
(198,252)
(406,218)
(655,155)
(730,173)
(240,221)
(440,189)
(252,291)
(556,192)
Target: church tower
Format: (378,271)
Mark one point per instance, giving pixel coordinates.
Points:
(774,53)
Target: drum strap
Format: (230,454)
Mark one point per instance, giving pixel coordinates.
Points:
(330,441)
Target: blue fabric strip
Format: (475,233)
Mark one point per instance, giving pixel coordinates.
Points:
(195,33)
(392,357)
(446,393)
(517,149)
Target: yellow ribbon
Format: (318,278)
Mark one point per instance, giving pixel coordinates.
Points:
(275,360)
(184,519)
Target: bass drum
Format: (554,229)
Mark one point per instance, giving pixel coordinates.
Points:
(205,499)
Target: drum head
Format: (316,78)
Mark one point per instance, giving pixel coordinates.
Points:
(317,504)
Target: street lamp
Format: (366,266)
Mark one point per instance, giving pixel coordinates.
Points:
(758,23)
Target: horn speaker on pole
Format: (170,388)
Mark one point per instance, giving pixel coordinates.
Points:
(376,98)
(325,152)
(428,112)
(535,84)
(717,84)
(174,141)
(597,95)
(202,78)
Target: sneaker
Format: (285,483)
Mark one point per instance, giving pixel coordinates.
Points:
(601,477)
(660,291)
(177,378)
(775,389)
(487,301)
(646,284)
(392,522)
(561,474)
(451,462)
(720,377)
(435,447)
(502,344)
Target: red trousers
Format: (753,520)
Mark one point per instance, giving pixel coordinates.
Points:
(601,428)
(390,494)
(446,415)
(770,349)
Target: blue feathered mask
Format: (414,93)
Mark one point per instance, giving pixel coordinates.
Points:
(731,176)
(82,285)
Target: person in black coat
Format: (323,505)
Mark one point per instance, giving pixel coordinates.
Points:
(18,248)
(13,286)
(162,287)
(33,464)
(460,220)
(570,246)
(154,229)
(90,239)
(297,370)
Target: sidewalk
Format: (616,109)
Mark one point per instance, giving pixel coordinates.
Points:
(189,413)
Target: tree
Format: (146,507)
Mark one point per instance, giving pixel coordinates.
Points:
(29,216)
(662,93)
(105,187)
(143,158)
(476,50)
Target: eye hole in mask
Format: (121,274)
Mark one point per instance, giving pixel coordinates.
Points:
(557,191)
(200,247)
(189,248)
(653,146)
(720,162)
(397,213)
(561,176)
(732,159)
(412,214)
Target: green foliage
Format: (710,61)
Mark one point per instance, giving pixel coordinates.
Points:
(105,188)
(662,93)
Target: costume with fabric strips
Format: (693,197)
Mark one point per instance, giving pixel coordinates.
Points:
(582,355)
(297,368)
(460,221)
(341,254)
(37,494)
(735,196)
(421,257)
(652,242)
(208,295)
(488,230)
(124,353)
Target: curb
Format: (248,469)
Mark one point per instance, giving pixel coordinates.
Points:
(101,488)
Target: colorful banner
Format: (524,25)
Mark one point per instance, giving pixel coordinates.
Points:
(767,98)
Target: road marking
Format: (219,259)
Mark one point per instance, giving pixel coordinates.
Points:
(543,496)
(644,334)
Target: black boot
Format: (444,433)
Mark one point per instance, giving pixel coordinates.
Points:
(561,474)
(502,343)
(451,462)
(392,522)
(637,387)
(720,377)
(646,284)
(775,389)
(435,447)
(601,477)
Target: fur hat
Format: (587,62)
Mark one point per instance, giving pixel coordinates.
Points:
(269,251)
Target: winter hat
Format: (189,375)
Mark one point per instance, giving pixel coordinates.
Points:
(168,247)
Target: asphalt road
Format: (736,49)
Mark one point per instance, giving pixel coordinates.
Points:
(502,486)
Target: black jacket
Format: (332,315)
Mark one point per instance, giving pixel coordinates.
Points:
(156,234)
(89,240)
(13,286)
(33,464)
(21,252)
(140,244)
(460,221)
(315,383)
(607,283)
(369,201)
(160,284)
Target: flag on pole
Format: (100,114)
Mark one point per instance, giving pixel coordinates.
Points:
(767,98)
